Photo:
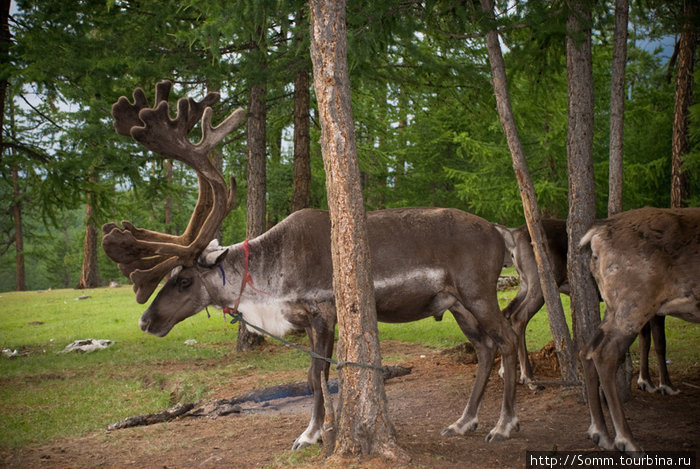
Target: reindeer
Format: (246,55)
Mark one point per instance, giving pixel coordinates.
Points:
(424,261)
(530,299)
(646,263)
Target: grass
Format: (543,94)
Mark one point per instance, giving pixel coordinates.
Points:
(46,395)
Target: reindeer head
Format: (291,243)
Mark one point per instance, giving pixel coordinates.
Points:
(144,256)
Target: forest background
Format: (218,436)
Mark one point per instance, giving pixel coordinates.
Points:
(427,129)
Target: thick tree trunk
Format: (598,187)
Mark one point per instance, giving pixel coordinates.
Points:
(301,195)
(684,86)
(617,107)
(89,275)
(20,272)
(257,189)
(565,349)
(585,309)
(364,426)
(617,119)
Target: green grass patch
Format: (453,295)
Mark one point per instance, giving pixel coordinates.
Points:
(46,395)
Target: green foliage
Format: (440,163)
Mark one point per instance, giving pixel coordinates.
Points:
(426,126)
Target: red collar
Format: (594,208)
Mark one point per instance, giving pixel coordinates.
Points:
(247,279)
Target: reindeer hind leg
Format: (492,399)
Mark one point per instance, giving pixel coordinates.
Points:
(597,431)
(644,380)
(609,354)
(658,333)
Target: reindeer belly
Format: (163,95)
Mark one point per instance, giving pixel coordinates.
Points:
(411,296)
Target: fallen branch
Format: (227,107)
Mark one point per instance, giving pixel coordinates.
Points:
(149,419)
(232,406)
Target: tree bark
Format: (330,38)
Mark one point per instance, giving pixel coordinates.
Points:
(564,346)
(617,119)
(364,427)
(257,162)
(680,187)
(20,272)
(256,215)
(617,107)
(585,309)
(301,195)
(89,275)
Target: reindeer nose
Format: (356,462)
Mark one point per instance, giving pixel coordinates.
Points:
(144,324)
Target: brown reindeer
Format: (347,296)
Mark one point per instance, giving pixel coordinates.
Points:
(646,263)
(530,299)
(424,261)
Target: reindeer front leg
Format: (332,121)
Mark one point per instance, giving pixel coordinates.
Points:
(321,336)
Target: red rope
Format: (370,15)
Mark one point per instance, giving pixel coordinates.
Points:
(246,280)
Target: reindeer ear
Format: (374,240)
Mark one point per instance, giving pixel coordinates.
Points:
(211,257)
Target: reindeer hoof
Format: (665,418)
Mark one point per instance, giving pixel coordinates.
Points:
(645,385)
(493,436)
(299,445)
(535,387)
(456,429)
(600,440)
(626,446)
(667,390)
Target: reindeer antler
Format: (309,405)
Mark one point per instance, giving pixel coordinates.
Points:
(147,256)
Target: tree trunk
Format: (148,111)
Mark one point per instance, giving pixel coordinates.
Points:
(66,269)
(364,426)
(257,161)
(617,119)
(684,87)
(256,221)
(585,309)
(20,272)
(301,195)
(168,199)
(565,349)
(617,107)
(89,276)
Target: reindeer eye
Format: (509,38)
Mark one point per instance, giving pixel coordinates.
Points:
(184,283)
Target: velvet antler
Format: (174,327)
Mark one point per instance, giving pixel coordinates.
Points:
(146,256)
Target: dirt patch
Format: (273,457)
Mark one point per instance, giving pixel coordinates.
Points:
(422,403)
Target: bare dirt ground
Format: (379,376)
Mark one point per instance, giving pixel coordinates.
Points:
(421,403)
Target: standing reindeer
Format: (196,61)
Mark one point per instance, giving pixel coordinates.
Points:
(530,299)
(646,263)
(424,261)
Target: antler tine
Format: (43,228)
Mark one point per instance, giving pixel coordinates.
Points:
(197,108)
(212,136)
(163,89)
(126,115)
